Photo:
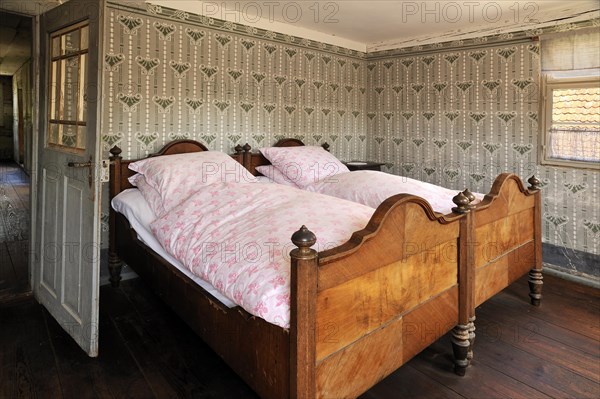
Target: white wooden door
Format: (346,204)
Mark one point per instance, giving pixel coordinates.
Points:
(67,243)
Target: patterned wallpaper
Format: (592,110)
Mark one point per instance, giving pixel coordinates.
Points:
(454,116)
(459,118)
(173,76)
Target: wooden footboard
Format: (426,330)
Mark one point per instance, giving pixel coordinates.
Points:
(507,238)
(376,301)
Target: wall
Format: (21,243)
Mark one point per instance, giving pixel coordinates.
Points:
(171,75)
(6,118)
(22,83)
(458,118)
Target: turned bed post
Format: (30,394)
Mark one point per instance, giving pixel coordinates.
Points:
(535,275)
(303,303)
(114,262)
(247,158)
(463,335)
(471,299)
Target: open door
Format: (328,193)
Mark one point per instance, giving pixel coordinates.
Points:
(66,247)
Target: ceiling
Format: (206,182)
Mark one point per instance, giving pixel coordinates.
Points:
(16,31)
(28,7)
(381,25)
(359,25)
(15,42)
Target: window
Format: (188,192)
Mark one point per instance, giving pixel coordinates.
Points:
(67,105)
(572,121)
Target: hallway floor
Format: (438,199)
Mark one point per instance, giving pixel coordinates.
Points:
(14,232)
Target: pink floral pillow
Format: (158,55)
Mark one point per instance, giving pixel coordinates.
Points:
(275,174)
(304,165)
(176,177)
(150,194)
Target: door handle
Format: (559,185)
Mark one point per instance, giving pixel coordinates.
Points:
(81,164)
(88,164)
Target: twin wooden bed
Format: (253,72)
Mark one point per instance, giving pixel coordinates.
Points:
(360,310)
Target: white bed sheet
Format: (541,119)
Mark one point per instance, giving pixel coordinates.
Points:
(132,204)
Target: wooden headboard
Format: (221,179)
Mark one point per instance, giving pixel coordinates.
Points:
(258,159)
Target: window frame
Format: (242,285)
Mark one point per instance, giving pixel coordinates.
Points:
(551,83)
(79,26)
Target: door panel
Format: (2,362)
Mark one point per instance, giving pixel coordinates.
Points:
(49,216)
(67,246)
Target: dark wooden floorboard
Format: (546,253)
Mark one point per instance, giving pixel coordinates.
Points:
(565,288)
(547,377)
(14,233)
(126,379)
(18,252)
(146,351)
(493,310)
(481,381)
(8,277)
(186,358)
(556,309)
(420,385)
(27,360)
(545,348)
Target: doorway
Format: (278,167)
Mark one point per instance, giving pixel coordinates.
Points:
(16,132)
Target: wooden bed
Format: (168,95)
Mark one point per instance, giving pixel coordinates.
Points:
(505,235)
(358,311)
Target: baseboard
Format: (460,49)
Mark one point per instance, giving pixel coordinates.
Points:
(571,261)
(580,278)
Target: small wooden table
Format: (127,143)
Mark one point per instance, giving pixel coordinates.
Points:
(363,165)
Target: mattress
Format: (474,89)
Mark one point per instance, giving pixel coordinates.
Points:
(132,204)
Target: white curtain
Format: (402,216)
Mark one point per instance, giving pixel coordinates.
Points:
(578,145)
(568,51)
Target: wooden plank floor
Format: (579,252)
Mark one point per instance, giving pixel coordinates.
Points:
(14,232)
(147,352)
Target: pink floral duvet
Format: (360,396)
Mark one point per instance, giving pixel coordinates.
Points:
(237,237)
(371,188)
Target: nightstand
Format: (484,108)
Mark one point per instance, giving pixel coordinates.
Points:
(363,165)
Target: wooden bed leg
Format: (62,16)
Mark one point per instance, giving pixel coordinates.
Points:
(535,275)
(535,286)
(461,334)
(460,347)
(471,338)
(114,268)
(114,262)
(303,306)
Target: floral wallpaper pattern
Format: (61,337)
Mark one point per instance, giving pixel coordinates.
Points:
(173,79)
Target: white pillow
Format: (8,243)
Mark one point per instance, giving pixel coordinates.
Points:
(304,165)
(176,177)
(150,194)
(136,210)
